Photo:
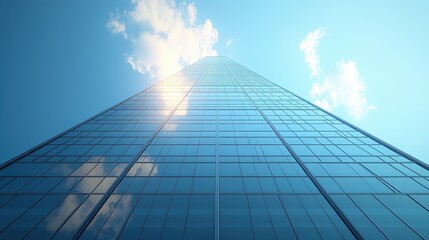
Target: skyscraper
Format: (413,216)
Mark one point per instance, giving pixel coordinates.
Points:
(214,152)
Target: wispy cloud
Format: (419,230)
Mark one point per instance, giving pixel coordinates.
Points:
(229,42)
(136,65)
(342,87)
(192,13)
(116,27)
(309,47)
(169,37)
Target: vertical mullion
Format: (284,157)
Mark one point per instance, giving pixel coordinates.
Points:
(217,170)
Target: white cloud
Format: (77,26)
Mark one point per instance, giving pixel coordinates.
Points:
(117,27)
(229,42)
(169,37)
(309,46)
(344,87)
(192,13)
(135,65)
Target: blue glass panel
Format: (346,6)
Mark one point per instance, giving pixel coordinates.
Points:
(203,185)
(299,218)
(15,208)
(231,185)
(383,169)
(235,221)
(152,229)
(175,222)
(362,223)
(385,220)
(408,211)
(280,221)
(107,223)
(57,217)
(261,221)
(75,221)
(406,185)
(200,218)
(137,218)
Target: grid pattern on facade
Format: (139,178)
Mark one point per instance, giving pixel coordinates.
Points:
(214,152)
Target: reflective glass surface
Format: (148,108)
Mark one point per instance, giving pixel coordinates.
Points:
(214,152)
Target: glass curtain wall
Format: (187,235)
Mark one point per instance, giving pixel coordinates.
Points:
(214,152)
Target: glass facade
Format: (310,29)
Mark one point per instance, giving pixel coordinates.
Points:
(214,152)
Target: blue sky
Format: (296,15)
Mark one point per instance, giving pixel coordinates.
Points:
(62,62)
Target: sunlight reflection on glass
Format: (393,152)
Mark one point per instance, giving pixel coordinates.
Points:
(73,209)
(112,227)
(172,92)
(147,167)
(170,127)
